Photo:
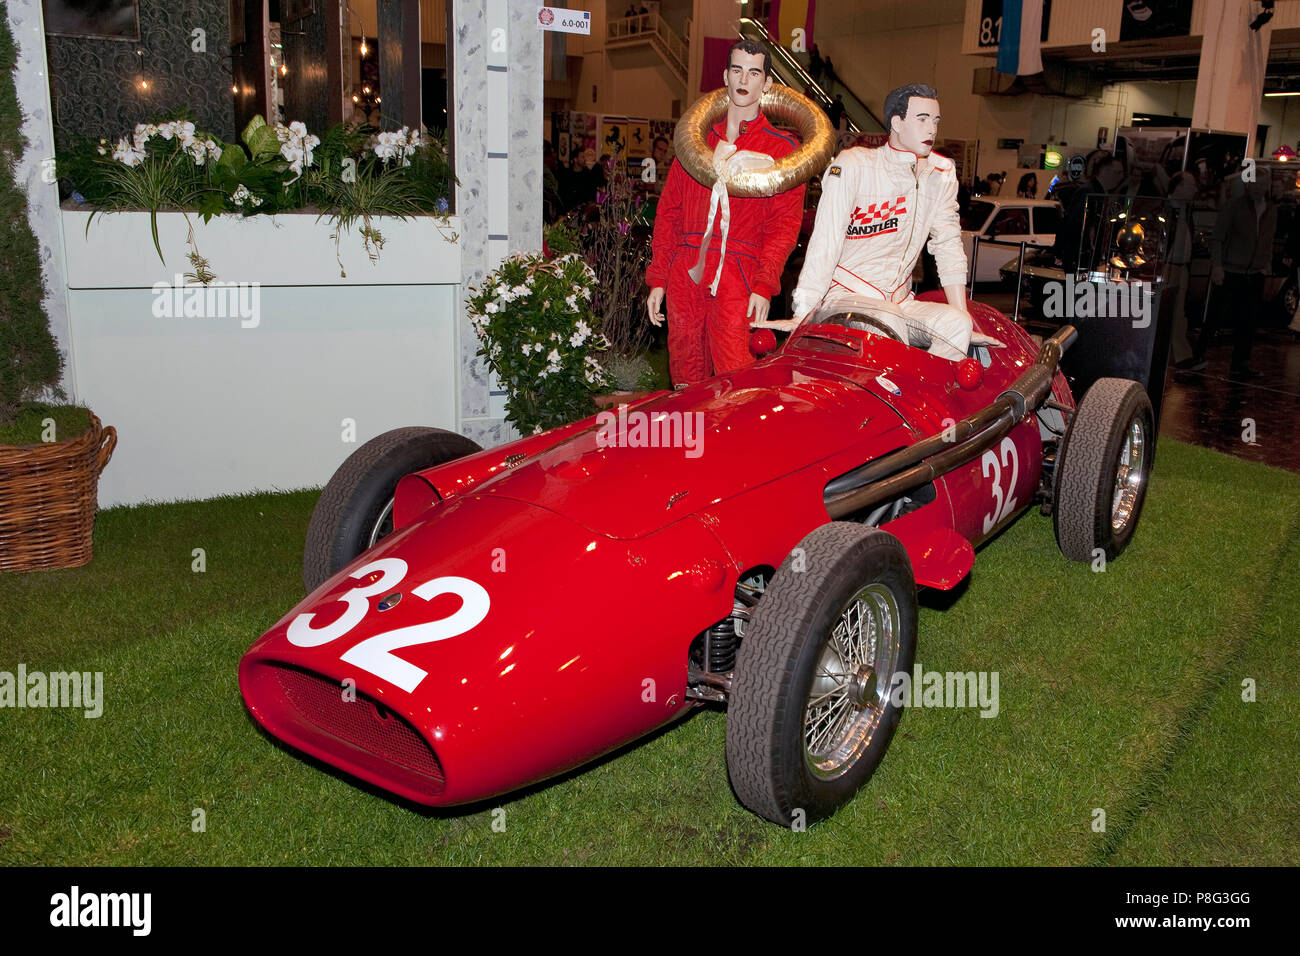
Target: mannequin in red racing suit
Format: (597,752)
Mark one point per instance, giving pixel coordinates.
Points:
(709,334)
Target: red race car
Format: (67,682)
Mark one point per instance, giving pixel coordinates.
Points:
(482,620)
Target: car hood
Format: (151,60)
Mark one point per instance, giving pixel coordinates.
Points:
(645,467)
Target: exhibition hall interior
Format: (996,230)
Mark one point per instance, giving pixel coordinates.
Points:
(706,432)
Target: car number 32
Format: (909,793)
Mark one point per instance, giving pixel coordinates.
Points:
(374,654)
(991,465)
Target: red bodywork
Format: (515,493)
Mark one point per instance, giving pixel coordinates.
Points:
(579,574)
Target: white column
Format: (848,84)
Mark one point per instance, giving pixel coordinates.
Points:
(497,99)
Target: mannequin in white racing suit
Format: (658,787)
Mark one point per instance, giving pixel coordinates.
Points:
(877,209)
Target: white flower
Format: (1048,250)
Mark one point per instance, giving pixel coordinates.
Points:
(296,146)
(572,303)
(490,308)
(127,154)
(537,429)
(526,349)
(396,144)
(239,195)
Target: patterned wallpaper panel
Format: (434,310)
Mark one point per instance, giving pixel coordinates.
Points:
(93,82)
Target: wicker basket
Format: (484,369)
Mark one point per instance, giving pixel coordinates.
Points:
(48,499)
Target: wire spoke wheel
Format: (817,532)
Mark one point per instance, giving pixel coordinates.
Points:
(848,697)
(1130,476)
(810,716)
(383,525)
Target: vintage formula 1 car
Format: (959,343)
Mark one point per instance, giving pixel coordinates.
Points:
(482,620)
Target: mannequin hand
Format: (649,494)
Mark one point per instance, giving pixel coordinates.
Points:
(779,325)
(758,306)
(654,306)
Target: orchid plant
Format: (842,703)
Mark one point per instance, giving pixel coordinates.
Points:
(345,175)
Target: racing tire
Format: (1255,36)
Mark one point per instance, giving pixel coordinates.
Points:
(810,715)
(1102,470)
(356,505)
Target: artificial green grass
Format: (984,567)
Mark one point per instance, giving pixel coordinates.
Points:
(31,426)
(1120,691)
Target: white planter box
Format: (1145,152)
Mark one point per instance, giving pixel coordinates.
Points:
(224,404)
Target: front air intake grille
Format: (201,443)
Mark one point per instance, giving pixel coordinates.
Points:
(364,723)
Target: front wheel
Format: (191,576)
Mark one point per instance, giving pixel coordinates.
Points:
(356,508)
(812,707)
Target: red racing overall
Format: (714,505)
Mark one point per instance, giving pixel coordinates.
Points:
(707,334)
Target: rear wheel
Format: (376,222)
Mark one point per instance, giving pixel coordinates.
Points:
(811,711)
(1102,470)
(356,508)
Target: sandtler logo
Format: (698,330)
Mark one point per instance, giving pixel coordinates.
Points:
(57,689)
(1102,300)
(216,300)
(102,909)
(651,430)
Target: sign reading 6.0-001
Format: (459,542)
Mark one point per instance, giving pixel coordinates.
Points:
(374,654)
(565,21)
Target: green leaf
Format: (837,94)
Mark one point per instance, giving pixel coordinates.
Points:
(256,123)
(232,157)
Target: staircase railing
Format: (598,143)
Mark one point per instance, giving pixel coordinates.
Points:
(653,29)
(792,72)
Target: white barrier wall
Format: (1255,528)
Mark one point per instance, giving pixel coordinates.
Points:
(207,405)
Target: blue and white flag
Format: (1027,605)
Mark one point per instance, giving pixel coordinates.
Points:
(1020,47)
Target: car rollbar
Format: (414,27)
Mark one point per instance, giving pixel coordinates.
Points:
(900,471)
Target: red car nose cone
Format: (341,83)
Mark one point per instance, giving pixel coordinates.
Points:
(969,373)
(762,342)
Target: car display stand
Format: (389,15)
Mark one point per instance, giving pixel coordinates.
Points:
(1116,295)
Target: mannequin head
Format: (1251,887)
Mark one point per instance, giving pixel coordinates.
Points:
(912,115)
(748,75)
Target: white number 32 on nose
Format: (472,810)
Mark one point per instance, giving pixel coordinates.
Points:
(374,654)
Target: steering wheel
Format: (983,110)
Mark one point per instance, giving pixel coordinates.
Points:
(863,322)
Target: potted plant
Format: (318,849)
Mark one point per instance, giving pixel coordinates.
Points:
(533,317)
(50,456)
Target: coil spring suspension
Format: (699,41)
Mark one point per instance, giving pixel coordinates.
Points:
(720,644)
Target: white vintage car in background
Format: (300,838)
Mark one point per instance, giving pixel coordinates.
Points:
(1008,220)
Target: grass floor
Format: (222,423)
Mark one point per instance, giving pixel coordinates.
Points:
(1120,691)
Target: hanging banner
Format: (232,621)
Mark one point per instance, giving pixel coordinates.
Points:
(788,16)
(1156,18)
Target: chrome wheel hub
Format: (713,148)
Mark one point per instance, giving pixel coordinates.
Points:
(847,699)
(1129,476)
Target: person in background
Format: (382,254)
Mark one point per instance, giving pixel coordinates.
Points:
(1241,251)
(836,112)
(1182,190)
(1028,188)
(816,65)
